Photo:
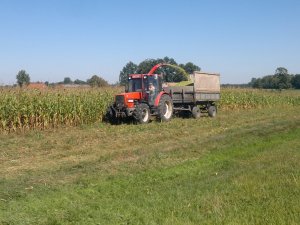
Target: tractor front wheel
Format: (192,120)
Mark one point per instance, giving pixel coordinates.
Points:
(142,113)
(110,117)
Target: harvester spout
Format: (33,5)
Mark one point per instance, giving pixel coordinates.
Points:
(154,68)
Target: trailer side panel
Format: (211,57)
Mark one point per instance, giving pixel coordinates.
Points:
(206,82)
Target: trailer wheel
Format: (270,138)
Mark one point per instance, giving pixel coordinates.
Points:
(165,108)
(212,111)
(142,113)
(196,112)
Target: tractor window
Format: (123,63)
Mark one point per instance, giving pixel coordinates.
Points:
(155,82)
(134,85)
(152,88)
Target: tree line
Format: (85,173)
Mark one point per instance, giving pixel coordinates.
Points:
(23,79)
(281,79)
(170,74)
(94,81)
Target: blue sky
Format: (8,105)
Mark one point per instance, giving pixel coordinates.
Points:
(54,39)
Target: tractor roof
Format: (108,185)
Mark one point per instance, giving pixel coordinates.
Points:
(140,75)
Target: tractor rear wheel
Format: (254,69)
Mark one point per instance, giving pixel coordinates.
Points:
(165,108)
(142,113)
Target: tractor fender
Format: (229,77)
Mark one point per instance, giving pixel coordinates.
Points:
(156,102)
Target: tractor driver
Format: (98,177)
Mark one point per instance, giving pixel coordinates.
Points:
(151,91)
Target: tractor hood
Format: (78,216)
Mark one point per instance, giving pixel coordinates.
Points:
(127,99)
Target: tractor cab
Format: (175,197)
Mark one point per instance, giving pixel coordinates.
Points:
(148,85)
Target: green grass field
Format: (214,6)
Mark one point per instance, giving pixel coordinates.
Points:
(239,168)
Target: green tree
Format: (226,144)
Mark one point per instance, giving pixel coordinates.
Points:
(284,79)
(67,80)
(270,82)
(129,68)
(281,70)
(96,81)
(280,80)
(190,67)
(253,82)
(170,74)
(23,78)
(80,82)
(296,81)
(173,74)
(257,83)
(146,65)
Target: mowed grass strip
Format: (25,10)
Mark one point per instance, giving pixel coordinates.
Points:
(240,168)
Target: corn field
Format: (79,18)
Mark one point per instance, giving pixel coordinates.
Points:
(34,109)
(254,98)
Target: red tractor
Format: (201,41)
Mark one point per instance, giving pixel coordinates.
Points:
(143,98)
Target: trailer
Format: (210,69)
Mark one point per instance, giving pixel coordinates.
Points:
(198,97)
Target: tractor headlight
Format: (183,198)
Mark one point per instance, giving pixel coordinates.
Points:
(130,100)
